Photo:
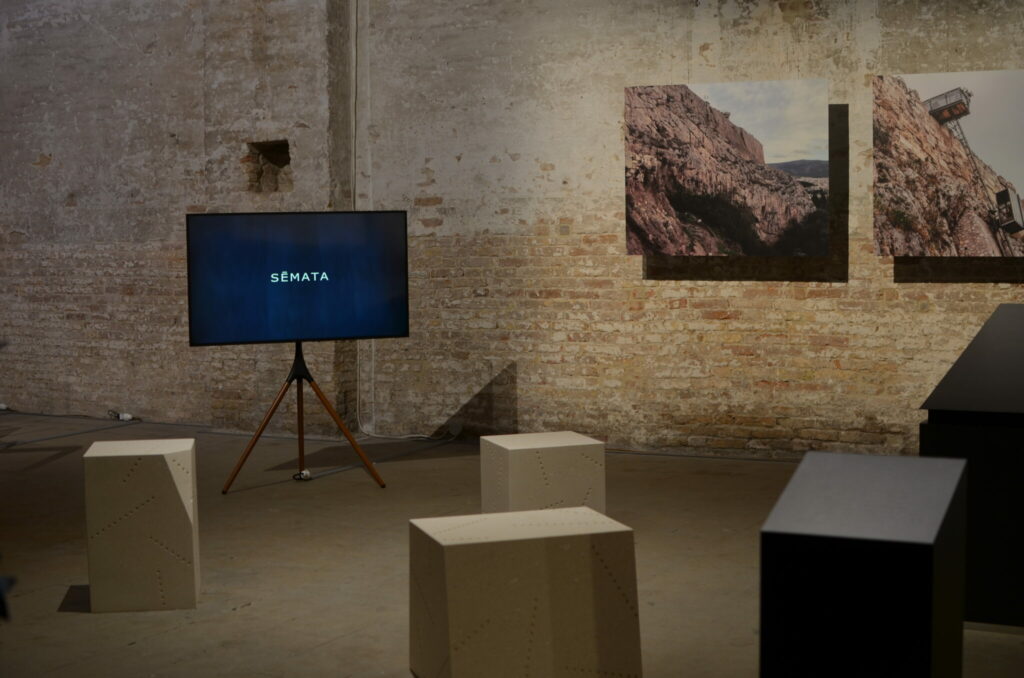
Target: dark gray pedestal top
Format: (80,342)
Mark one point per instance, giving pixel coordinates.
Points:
(858,496)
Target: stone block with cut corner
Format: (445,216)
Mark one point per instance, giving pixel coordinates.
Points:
(862,569)
(140,515)
(525,593)
(527,471)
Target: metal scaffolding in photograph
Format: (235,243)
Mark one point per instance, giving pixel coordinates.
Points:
(948,108)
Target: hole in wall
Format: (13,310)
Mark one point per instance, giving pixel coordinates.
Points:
(269,166)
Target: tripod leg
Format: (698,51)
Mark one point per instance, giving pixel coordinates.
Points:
(344,429)
(259,432)
(302,456)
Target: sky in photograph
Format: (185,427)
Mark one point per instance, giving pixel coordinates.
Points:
(993,126)
(788,117)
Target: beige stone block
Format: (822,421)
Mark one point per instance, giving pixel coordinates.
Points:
(526,593)
(525,471)
(140,515)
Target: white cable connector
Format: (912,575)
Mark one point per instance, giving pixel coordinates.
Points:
(124,416)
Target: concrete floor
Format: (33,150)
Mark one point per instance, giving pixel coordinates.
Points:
(311,579)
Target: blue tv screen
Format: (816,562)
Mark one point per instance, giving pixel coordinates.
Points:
(297,276)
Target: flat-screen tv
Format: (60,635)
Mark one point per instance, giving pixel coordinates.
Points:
(296,276)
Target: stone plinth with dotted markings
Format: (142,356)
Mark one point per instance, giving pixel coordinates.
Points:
(525,593)
(140,514)
(526,471)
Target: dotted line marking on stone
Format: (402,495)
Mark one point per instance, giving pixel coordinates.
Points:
(501,473)
(160,587)
(587,495)
(131,470)
(429,623)
(127,514)
(423,596)
(534,523)
(442,670)
(554,504)
(559,523)
(630,603)
(459,526)
(595,460)
(530,632)
(543,471)
(184,469)
(171,551)
(471,636)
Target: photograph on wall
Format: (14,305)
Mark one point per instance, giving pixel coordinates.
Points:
(948,161)
(728,169)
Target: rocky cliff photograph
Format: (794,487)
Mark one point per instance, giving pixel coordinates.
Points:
(948,161)
(727,169)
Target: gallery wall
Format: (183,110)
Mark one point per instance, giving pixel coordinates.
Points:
(117,119)
(499,125)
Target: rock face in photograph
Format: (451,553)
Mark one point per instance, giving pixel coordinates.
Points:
(931,198)
(697,184)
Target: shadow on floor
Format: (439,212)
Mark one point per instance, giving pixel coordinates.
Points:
(389,451)
(76,599)
(8,431)
(58,453)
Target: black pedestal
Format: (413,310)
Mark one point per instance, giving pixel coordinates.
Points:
(862,569)
(995,532)
(977,413)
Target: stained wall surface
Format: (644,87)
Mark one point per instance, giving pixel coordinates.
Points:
(498,125)
(501,126)
(118,119)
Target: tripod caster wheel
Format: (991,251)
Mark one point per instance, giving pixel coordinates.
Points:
(304,474)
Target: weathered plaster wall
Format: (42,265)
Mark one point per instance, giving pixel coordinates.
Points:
(497,123)
(499,126)
(117,118)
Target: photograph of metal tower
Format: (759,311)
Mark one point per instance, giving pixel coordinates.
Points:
(948,163)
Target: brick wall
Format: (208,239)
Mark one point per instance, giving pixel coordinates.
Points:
(117,119)
(500,128)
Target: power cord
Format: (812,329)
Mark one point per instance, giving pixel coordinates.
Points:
(452,433)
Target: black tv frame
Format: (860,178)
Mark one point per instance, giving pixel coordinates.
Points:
(188,259)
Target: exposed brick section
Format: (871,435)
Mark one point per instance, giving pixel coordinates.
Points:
(744,369)
(528,267)
(104,156)
(526,312)
(105,327)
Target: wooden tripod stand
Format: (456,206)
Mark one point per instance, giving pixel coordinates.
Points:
(301,373)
